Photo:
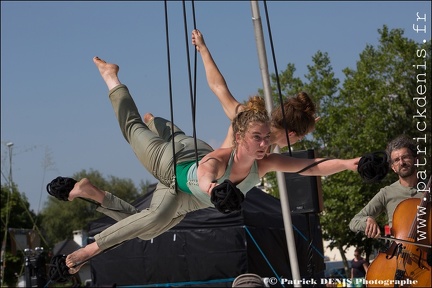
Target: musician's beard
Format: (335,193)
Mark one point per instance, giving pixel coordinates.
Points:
(404,173)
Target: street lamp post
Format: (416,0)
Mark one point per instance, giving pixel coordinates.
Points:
(10,144)
(3,248)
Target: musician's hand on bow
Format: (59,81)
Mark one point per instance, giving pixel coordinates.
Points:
(372,229)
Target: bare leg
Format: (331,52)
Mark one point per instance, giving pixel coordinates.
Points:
(85,189)
(108,72)
(80,256)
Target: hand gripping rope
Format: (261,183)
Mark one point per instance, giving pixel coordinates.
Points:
(58,271)
(373,167)
(226,197)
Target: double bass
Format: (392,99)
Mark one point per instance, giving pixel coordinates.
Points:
(407,261)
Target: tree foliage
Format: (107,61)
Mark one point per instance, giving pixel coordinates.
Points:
(15,213)
(374,104)
(58,218)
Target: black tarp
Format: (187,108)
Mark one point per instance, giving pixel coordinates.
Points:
(210,249)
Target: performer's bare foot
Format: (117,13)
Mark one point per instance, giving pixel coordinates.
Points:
(148,117)
(85,189)
(108,72)
(78,258)
(76,269)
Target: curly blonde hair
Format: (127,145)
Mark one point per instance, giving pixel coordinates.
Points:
(254,112)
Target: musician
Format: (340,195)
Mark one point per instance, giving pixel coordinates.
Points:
(402,155)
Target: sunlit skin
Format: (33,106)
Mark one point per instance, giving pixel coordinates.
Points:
(84,189)
(230,105)
(250,147)
(257,140)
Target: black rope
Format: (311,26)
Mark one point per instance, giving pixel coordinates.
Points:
(277,78)
(60,188)
(195,57)
(170,90)
(226,197)
(195,80)
(309,265)
(58,271)
(312,165)
(192,91)
(373,167)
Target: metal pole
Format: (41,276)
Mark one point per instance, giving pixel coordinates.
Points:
(292,252)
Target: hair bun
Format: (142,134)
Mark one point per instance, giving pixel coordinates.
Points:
(256,104)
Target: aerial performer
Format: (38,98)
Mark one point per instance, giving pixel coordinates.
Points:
(228,172)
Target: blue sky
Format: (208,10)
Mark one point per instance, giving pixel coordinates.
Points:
(54,104)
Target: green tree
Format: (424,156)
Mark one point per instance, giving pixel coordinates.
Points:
(283,86)
(61,218)
(15,213)
(321,85)
(374,104)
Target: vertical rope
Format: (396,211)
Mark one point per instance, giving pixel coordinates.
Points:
(192,91)
(310,265)
(277,77)
(195,80)
(195,55)
(170,92)
(195,73)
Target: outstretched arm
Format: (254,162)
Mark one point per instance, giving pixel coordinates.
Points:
(215,79)
(283,163)
(331,166)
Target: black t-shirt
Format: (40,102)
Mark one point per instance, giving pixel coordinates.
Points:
(358,269)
